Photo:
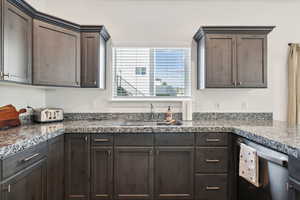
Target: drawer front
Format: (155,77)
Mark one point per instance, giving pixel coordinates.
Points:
(211,187)
(174,139)
(19,161)
(134,139)
(212,139)
(102,140)
(212,159)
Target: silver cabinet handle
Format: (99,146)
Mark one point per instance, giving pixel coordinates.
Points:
(109,152)
(212,161)
(76,196)
(212,140)
(212,188)
(8,189)
(2,75)
(31,157)
(101,140)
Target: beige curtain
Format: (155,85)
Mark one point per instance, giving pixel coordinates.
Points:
(294,84)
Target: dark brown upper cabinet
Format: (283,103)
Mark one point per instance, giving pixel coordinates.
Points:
(17,45)
(40,49)
(232,57)
(93,57)
(56,53)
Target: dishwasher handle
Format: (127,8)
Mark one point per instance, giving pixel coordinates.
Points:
(274,159)
(282,161)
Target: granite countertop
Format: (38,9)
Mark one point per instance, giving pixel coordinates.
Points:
(273,134)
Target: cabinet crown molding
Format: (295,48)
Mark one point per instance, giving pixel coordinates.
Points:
(28,9)
(232,30)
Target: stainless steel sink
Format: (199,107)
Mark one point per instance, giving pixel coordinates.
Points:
(149,124)
(132,124)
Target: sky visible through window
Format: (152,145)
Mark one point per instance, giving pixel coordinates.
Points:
(170,66)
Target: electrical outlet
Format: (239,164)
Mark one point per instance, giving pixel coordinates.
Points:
(244,106)
(217,106)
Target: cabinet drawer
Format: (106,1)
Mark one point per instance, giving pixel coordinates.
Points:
(134,139)
(212,159)
(102,140)
(19,161)
(211,187)
(174,139)
(212,139)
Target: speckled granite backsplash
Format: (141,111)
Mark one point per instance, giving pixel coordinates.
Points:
(232,116)
(160,116)
(119,116)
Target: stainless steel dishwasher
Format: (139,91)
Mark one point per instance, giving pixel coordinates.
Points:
(273,175)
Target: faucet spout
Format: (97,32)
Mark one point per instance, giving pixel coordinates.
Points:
(151,112)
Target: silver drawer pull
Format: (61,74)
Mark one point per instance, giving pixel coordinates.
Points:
(212,161)
(102,195)
(76,196)
(174,195)
(31,157)
(133,195)
(212,140)
(101,140)
(212,188)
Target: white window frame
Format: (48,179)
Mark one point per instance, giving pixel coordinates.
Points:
(152,98)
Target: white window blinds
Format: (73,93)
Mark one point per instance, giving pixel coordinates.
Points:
(151,72)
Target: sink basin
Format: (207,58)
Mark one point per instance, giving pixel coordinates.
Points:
(132,124)
(150,124)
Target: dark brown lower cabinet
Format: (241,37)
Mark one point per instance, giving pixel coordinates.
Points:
(133,173)
(211,187)
(174,173)
(77,166)
(102,173)
(55,169)
(29,184)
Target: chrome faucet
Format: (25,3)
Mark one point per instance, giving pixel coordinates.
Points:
(151,112)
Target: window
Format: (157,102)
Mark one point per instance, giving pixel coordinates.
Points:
(140,71)
(151,72)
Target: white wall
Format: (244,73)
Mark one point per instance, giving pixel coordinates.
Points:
(175,22)
(21,96)
(37,4)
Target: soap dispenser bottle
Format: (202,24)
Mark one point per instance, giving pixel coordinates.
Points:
(169,114)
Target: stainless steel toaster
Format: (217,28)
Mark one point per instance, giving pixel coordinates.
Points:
(48,114)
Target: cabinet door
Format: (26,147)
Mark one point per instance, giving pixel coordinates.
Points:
(174,173)
(102,173)
(133,173)
(17,45)
(220,62)
(90,55)
(251,61)
(77,166)
(55,169)
(56,55)
(29,184)
(93,60)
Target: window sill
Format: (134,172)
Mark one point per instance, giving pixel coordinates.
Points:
(151,99)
